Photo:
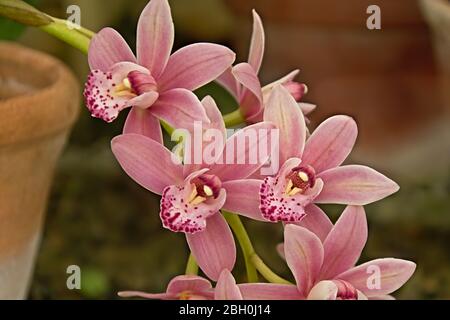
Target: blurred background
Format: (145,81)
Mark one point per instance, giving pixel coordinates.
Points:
(394,81)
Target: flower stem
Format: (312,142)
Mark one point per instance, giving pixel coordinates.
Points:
(266,272)
(192,266)
(78,38)
(244,241)
(234,118)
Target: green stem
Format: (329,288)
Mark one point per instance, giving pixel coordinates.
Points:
(244,241)
(192,266)
(78,38)
(266,272)
(234,118)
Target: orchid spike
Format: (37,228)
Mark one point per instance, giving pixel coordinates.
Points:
(311,170)
(192,196)
(156,84)
(326,269)
(243,83)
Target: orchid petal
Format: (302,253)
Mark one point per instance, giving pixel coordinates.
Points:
(147,162)
(228,82)
(393,273)
(257,43)
(214,115)
(145,295)
(107,48)
(267,89)
(316,221)
(144,123)
(188,283)
(324,290)
(345,242)
(195,65)
(180,108)
(251,97)
(155,35)
(214,249)
(331,143)
(304,256)
(354,185)
(240,157)
(306,108)
(226,288)
(269,291)
(242,198)
(283,111)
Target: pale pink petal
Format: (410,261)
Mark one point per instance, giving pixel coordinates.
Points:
(331,143)
(345,242)
(214,115)
(214,249)
(240,157)
(180,108)
(276,205)
(256,52)
(144,123)
(306,108)
(145,295)
(155,35)
(379,277)
(280,250)
(107,48)
(385,297)
(226,288)
(144,100)
(195,65)
(316,221)
(188,283)
(283,111)
(243,198)
(147,162)
(228,81)
(304,256)
(269,291)
(324,290)
(267,89)
(354,185)
(251,95)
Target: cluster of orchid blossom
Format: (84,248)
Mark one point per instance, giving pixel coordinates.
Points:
(203,200)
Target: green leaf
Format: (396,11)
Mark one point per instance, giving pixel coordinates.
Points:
(23,13)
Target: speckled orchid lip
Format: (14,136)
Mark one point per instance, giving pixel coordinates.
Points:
(160,84)
(316,176)
(192,196)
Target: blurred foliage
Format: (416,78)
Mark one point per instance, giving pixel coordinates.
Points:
(10,30)
(102,221)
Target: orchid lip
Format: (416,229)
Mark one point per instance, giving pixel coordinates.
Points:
(345,290)
(185,208)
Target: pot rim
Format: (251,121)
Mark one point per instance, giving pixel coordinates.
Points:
(42,112)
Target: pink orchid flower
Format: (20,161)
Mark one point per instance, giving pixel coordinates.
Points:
(311,170)
(326,270)
(194,288)
(193,196)
(243,83)
(156,84)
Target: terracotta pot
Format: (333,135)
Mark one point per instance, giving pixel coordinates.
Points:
(385,78)
(39,102)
